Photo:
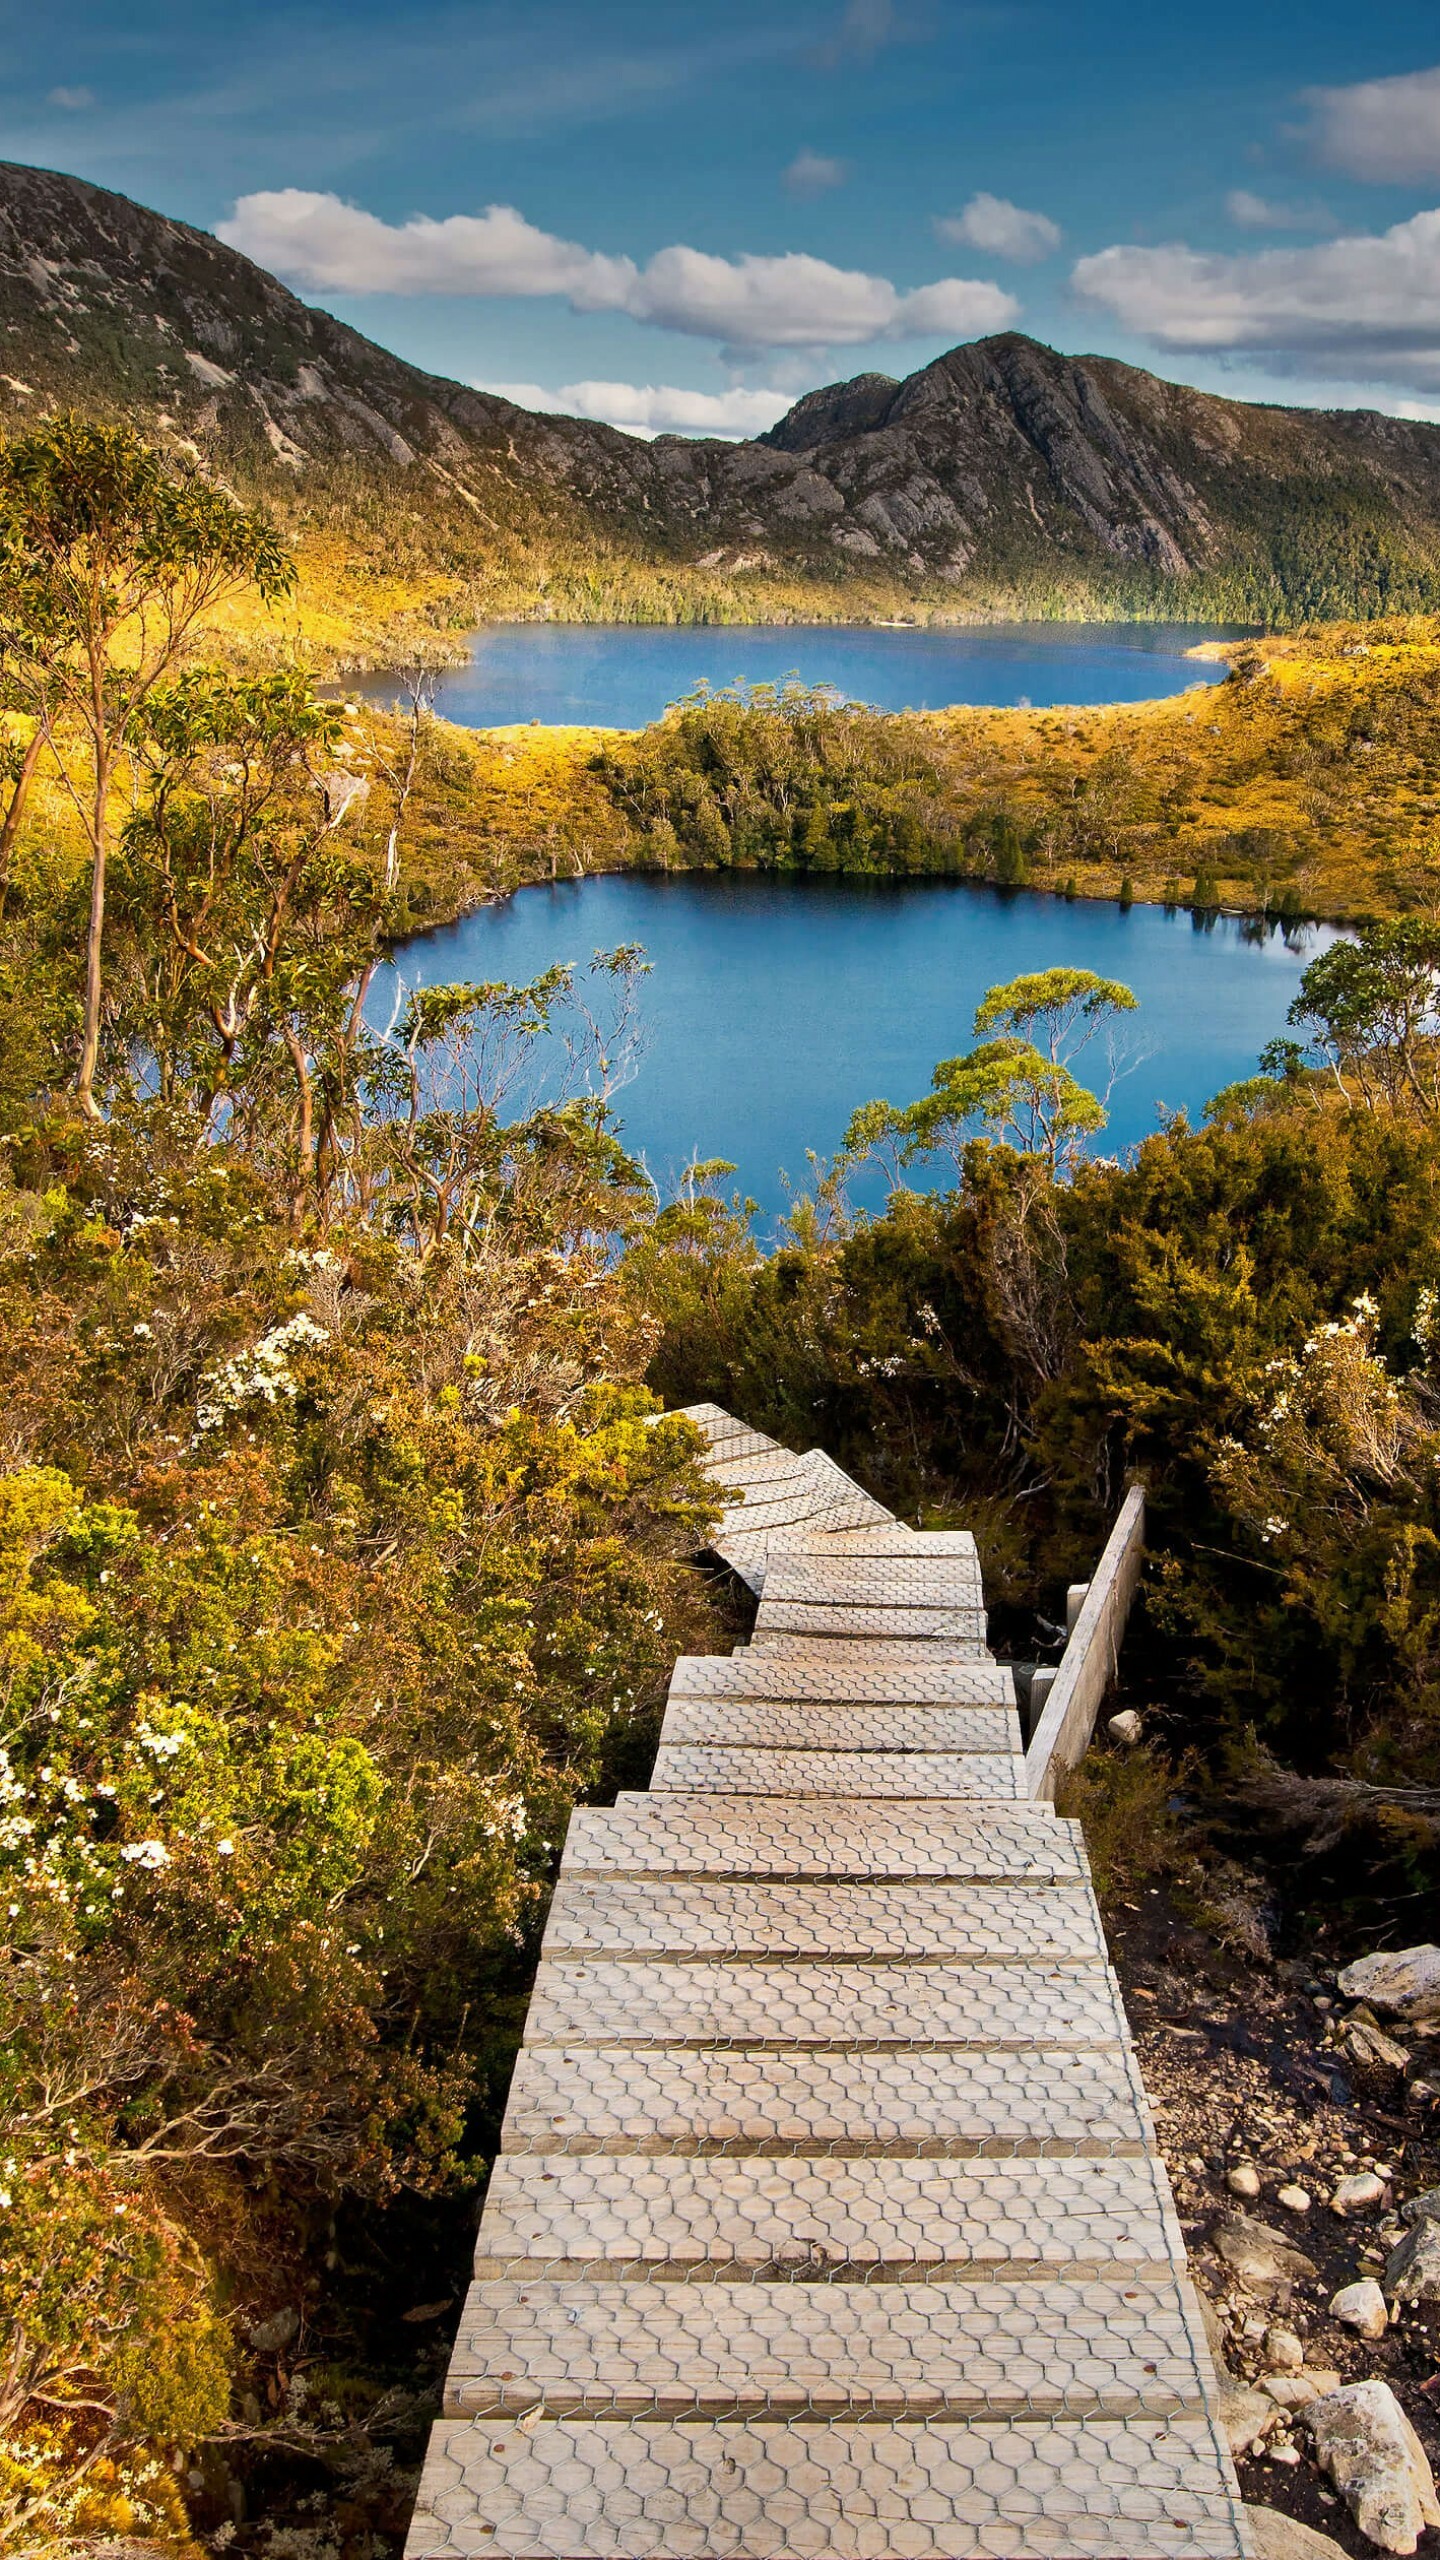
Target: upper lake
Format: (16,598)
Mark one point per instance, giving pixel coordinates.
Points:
(622,675)
(775,1006)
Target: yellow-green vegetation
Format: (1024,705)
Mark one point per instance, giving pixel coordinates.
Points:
(338,1555)
(1306,784)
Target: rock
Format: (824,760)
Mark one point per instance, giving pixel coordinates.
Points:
(1126,1727)
(1422,2208)
(1361,2040)
(1365,2442)
(1364,2193)
(1246,2416)
(1264,2260)
(1422,2093)
(1406,1981)
(1283,2351)
(1275,2537)
(1297,2390)
(1287,2453)
(268,2336)
(1361,2307)
(1244,2181)
(1294,2199)
(1412,2272)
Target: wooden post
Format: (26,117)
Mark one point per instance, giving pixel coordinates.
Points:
(1062,1732)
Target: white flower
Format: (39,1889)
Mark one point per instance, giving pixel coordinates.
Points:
(225,1848)
(260,1376)
(146,1853)
(163,1746)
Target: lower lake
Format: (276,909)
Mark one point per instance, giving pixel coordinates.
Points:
(775,1006)
(623,675)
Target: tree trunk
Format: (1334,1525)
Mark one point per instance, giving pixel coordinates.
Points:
(94,938)
(11,827)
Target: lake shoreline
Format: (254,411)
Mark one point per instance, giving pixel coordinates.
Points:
(482,902)
(776,1005)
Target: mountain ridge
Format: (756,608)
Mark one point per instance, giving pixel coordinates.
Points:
(1003,477)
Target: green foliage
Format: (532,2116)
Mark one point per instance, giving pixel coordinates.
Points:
(784,777)
(1014,1348)
(1008,1088)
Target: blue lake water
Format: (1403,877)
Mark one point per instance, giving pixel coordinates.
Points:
(623,675)
(775,1006)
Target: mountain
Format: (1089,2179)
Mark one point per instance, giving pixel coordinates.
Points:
(1003,477)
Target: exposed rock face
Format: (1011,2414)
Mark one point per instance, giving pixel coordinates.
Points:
(1406,1983)
(1001,472)
(1364,2440)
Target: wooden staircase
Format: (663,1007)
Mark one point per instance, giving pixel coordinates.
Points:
(828,2218)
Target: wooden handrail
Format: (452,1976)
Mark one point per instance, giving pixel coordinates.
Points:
(1062,1736)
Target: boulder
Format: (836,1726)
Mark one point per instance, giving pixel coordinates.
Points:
(1243,2180)
(1264,2261)
(1406,1981)
(1294,2199)
(1364,2440)
(1125,1728)
(1297,2390)
(1361,2307)
(1361,2040)
(1275,2537)
(1364,2193)
(1412,2271)
(1422,2208)
(1246,2416)
(1283,2351)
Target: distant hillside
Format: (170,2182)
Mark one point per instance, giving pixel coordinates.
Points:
(1003,478)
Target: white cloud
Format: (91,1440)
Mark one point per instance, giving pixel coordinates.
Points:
(325,246)
(1368,305)
(74,99)
(651,408)
(1004,229)
(1258,213)
(810,174)
(1388,130)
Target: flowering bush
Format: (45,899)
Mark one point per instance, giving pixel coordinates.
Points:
(311,1631)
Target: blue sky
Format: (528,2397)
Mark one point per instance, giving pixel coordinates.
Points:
(681,216)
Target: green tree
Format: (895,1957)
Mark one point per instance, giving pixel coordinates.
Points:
(1014,1086)
(1372,1008)
(108,559)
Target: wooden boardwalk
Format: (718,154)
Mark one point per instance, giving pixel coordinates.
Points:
(828,2218)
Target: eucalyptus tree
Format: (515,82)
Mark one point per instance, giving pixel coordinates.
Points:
(109,558)
(1371,1008)
(1017,1086)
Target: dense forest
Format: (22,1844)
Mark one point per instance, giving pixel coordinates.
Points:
(341,1548)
